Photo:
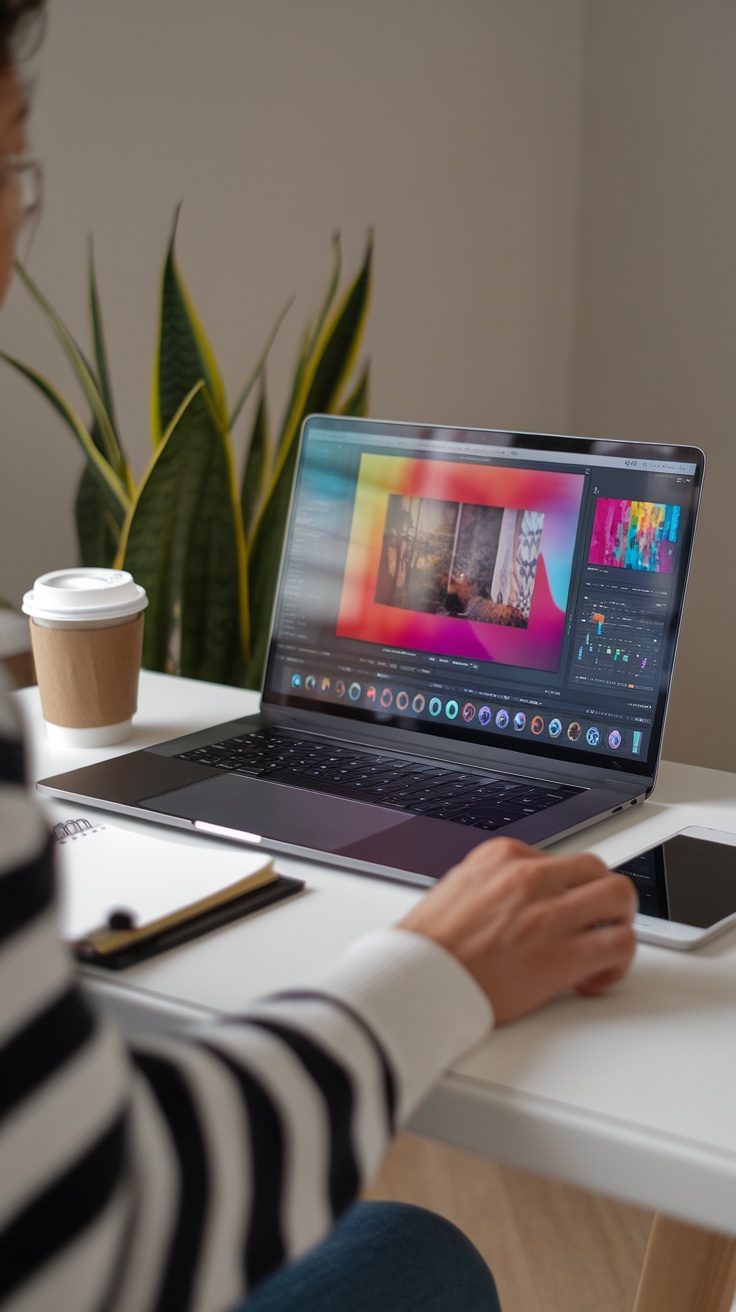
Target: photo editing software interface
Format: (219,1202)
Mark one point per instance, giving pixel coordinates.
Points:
(523,596)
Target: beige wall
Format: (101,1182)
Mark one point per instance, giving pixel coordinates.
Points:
(554,201)
(655,351)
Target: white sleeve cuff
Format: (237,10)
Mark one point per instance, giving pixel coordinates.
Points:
(424,1008)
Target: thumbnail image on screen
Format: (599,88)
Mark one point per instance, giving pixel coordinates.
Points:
(449,558)
(634,535)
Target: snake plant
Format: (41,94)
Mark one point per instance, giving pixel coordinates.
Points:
(204,543)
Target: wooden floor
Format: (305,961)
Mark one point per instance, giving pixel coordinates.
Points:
(552,1247)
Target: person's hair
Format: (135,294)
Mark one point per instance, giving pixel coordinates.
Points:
(20,26)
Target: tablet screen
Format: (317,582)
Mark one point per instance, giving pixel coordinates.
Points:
(688,880)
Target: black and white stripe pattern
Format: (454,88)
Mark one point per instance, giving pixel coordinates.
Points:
(178,1175)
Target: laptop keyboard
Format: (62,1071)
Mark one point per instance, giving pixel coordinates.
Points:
(467,798)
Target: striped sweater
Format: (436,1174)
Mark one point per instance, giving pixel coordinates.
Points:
(178,1172)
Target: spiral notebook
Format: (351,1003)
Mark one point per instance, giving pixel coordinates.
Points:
(124,896)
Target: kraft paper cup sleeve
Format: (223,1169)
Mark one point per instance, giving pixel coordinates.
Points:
(88,678)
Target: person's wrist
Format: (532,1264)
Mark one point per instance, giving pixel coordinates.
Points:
(424,1008)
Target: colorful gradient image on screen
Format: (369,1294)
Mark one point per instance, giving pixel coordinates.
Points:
(462,560)
(634,535)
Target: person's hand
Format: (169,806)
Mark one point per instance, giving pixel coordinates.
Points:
(529,926)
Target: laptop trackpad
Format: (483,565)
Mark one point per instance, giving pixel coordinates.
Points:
(287,815)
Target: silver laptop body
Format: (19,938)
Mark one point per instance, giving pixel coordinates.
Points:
(474,633)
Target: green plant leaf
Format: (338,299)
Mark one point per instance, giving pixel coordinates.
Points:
(98,531)
(98,523)
(110,446)
(103,376)
(357,402)
(254,474)
(297,394)
(264,559)
(98,341)
(183,541)
(115,494)
(331,359)
(256,373)
(329,295)
(323,376)
(214,600)
(309,343)
(184,356)
(339,344)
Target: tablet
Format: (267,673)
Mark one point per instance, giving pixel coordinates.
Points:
(686,886)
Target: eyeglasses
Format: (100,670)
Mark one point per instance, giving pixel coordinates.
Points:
(21,194)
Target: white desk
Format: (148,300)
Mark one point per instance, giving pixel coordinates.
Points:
(632,1094)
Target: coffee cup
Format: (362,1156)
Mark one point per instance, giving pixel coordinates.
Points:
(87,637)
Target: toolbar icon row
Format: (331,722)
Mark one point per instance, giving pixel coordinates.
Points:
(452,708)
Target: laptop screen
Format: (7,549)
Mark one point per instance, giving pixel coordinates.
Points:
(522,590)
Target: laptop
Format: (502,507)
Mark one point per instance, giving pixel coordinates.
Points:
(474,634)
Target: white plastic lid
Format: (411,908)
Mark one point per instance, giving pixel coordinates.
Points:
(77,594)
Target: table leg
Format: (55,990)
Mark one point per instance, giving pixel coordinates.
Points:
(686,1269)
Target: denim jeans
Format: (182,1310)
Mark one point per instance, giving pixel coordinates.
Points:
(383,1257)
